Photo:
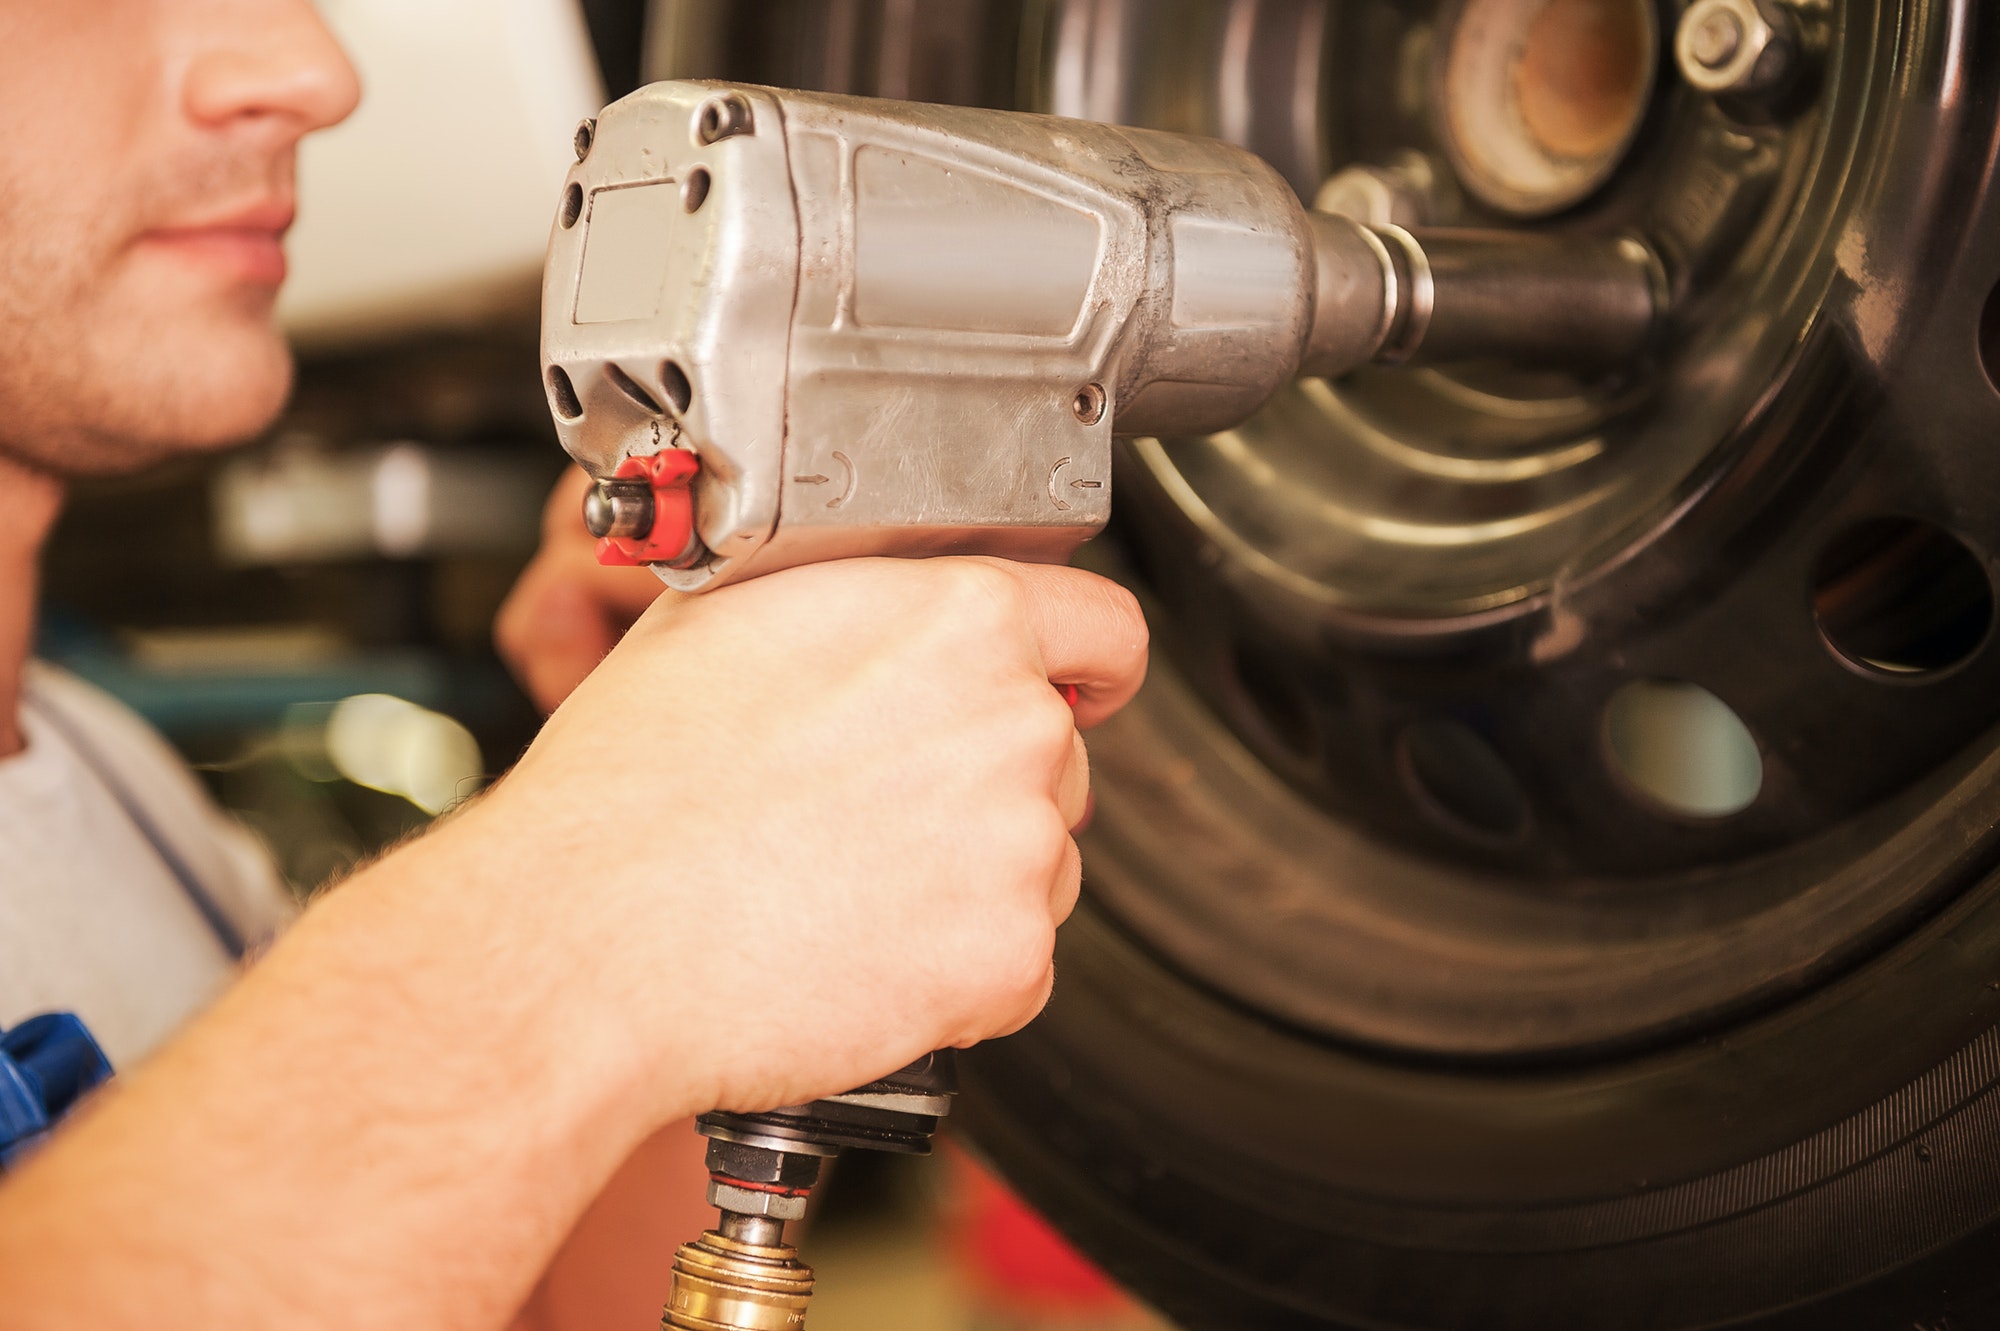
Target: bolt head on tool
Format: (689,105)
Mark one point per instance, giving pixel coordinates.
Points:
(644,513)
(726,1196)
(758,1165)
(619,508)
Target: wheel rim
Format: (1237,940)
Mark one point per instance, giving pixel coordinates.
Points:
(1426,600)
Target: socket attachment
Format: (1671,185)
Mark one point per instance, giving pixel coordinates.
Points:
(619,508)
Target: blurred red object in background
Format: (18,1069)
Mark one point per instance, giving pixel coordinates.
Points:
(1019,1268)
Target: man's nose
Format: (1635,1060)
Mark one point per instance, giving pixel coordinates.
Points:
(268,60)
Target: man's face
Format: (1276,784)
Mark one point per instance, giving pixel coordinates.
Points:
(146,168)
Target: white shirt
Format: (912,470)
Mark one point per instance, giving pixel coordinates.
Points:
(94,918)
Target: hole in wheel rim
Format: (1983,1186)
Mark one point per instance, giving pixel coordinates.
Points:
(1541,98)
(1277,701)
(1989,337)
(1462,780)
(572,207)
(1683,749)
(1897,596)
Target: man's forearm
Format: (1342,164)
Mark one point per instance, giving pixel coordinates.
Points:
(398,1115)
(373,1129)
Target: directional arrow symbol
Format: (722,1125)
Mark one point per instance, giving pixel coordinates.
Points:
(1057,484)
(812,480)
(853,477)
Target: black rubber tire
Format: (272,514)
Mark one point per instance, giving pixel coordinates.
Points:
(1822,1153)
(1835,1165)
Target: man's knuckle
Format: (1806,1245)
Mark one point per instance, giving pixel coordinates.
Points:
(983,596)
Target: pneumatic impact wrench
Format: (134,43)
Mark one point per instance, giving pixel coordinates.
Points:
(781,327)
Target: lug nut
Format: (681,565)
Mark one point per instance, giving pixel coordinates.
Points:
(1738,48)
(622,509)
(1402,193)
(586,134)
(1715,40)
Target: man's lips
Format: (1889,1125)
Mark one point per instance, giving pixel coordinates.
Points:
(247,243)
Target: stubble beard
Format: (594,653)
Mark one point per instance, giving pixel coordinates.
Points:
(111,360)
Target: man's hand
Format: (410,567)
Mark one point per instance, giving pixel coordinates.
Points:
(789,836)
(567,610)
(840,795)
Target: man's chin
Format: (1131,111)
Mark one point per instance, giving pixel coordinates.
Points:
(196,396)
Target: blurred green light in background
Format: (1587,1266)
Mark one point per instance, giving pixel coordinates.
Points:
(388,744)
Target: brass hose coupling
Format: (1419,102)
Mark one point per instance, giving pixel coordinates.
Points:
(740,1276)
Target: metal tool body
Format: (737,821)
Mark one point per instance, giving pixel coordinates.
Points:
(891,328)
